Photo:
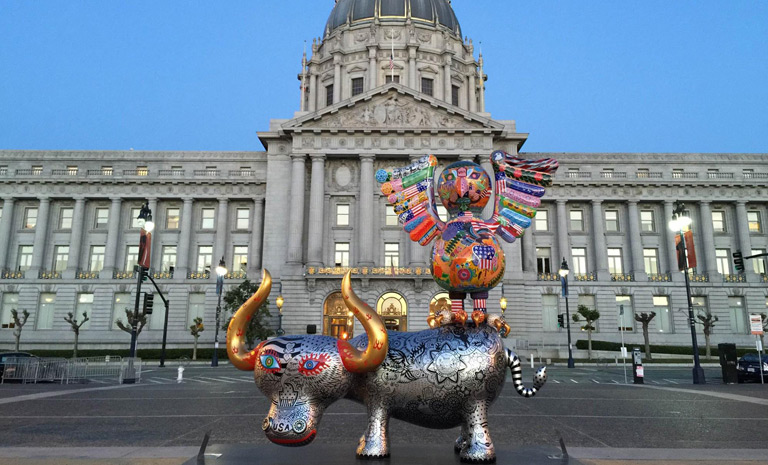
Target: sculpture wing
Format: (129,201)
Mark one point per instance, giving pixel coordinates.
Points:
(520,184)
(410,191)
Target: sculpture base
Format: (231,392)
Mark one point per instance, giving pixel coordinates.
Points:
(268,454)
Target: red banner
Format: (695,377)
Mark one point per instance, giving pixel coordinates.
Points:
(145,248)
(689,247)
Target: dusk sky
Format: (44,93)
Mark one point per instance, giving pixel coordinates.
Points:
(579,76)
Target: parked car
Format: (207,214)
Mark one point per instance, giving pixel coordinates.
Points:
(11,355)
(748,367)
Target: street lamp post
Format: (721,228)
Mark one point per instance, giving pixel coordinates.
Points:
(678,223)
(279,301)
(221,271)
(563,272)
(147,226)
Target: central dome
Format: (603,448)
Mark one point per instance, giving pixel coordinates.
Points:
(437,13)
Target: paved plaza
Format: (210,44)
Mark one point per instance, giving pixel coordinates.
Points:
(600,419)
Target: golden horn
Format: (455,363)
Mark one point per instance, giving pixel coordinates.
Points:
(236,331)
(354,360)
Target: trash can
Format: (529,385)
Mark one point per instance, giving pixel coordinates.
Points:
(728,358)
(638,372)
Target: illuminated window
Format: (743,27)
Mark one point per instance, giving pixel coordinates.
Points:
(738,314)
(240,258)
(168,258)
(722,257)
(96,261)
(651,261)
(392,254)
(45,314)
(663,313)
(131,257)
(24,261)
(579,255)
(615,265)
(204,258)
(60,258)
(626,312)
(84,305)
(755,226)
(341,254)
(30,217)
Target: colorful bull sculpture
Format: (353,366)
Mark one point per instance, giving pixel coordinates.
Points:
(438,378)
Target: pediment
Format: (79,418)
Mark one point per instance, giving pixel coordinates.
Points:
(393,107)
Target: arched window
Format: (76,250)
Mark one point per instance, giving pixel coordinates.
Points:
(337,319)
(439,303)
(394,311)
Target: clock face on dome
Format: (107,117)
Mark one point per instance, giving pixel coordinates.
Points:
(426,12)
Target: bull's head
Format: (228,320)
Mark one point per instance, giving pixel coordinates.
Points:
(302,375)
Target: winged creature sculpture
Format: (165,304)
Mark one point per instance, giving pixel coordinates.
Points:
(467,257)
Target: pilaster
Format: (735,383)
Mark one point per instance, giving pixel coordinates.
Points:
(598,236)
(41,236)
(183,250)
(316,215)
(113,236)
(296,231)
(222,233)
(707,239)
(257,238)
(76,239)
(745,243)
(367,208)
(635,242)
(670,243)
(564,249)
(5,229)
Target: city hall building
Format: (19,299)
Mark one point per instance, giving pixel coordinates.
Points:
(388,82)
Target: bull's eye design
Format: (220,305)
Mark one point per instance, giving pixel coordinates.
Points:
(268,361)
(313,364)
(299,426)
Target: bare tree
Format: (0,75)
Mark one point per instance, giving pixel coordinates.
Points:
(645,319)
(708,321)
(131,319)
(18,324)
(72,320)
(590,316)
(195,330)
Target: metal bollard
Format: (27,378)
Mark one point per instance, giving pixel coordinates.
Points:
(637,366)
(180,377)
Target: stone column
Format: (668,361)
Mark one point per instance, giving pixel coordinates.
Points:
(367,209)
(5,229)
(41,237)
(707,251)
(670,242)
(636,243)
(75,239)
(113,236)
(257,235)
(482,85)
(447,85)
(222,232)
(336,79)
(184,245)
(312,92)
(372,71)
(472,91)
(529,252)
(316,216)
(153,251)
(745,244)
(598,235)
(564,249)
(296,232)
(412,68)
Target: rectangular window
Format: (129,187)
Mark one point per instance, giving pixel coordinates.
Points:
(136,223)
(101,218)
(329,95)
(10,302)
(663,314)
(342,215)
(753,218)
(24,261)
(96,261)
(240,258)
(577,220)
(142,171)
(651,261)
(131,257)
(357,86)
(542,220)
(626,313)
(700,307)
(168,258)
(37,170)
(84,305)
(196,307)
(549,311)
(157,318)
(392,217)
(60,258)
(677,173)
(392,254)
(543,260)
(615,265)
(341,254)
(722,257)
(106,171)
(243,219)
(588,300)
(442,212)
(738,314)
(207,218)
(612,221)
(204,258)
(172,218)
(72,170)
(643,173)
(718,221)
(579,255)
(455,96)
(45,314)
(389,78)
(647,221)
(427,86)
(65,218)
(121,303)
(758,263)
(30,217)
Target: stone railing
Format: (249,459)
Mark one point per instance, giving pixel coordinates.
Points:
(137,172)
(613,175)
(104,172)
(622,277)
(755,175)
(67,172)
(49,274)
(677,175)
(172,173)
(734,278)
(242,173)
(83,274)
(718,175)
(649,175)
(698,278)
(12,274)
(32,172)
(369,271)
(124,274)
(660,278)
(214,173)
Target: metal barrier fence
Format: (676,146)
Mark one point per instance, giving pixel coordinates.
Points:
(75,370)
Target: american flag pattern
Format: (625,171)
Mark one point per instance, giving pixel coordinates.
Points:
(484,256)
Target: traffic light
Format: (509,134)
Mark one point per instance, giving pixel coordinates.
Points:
(738,261)
(561,320)
(149,300)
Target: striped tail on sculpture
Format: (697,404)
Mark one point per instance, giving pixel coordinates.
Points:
(517,376)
